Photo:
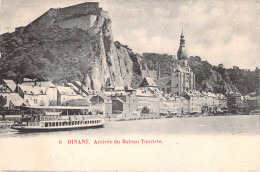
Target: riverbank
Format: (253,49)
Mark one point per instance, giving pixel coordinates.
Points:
(9,119)
(237,124)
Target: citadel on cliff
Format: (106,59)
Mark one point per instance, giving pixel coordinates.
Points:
(68,55)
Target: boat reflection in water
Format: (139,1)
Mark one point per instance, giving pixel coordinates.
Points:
(56,118)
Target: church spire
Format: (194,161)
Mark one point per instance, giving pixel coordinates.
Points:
(182,29)
(182,53)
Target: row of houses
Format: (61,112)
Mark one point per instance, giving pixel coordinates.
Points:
(35,93)
(188,102)
(125,102)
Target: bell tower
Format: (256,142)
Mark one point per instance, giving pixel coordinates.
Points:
(182,54)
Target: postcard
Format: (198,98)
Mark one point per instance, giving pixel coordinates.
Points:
(117,85)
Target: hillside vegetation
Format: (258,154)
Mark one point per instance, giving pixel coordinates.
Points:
(46,49)
(208,77)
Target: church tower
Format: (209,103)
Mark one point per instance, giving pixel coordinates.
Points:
(182,78)
(182,54)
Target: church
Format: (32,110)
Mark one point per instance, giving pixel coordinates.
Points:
(181,78)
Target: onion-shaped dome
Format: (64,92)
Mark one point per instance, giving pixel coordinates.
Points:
(182,52)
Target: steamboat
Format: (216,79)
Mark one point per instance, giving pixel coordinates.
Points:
(57,118)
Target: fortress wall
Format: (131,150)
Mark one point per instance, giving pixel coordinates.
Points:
(104,14)
(52,12)
(83,23)
(81,16)
(19,30)
(84,6)
(79,10)
(39,22)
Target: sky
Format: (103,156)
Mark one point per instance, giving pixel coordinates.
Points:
(218,31)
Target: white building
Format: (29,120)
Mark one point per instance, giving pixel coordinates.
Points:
(65,94)
(33,95)
(146,97)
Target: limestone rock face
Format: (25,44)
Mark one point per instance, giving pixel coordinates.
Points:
(73,43)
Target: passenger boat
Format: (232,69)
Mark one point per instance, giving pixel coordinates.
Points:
(56,118)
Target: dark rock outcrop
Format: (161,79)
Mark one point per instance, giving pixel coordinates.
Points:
(73,43)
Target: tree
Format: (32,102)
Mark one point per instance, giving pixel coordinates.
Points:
(2,103)
(235,67)
(145,110)
(221,66)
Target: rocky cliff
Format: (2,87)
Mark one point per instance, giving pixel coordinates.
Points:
(73,43)
(76,43)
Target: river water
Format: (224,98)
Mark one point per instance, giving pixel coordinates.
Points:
(213,143)
(239,124)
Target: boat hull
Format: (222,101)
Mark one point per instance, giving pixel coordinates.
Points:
(51,129)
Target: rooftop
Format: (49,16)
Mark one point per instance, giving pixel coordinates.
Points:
(148,82)
(32,90)
(11,84)
(17,100)
(45,84)
(163,81)
(66,91)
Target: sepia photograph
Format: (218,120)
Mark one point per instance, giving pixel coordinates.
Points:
(128,85)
